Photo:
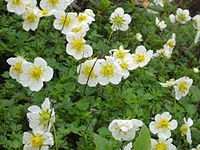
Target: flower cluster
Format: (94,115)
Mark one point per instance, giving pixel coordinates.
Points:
(181,86)
(113,68)
(29,74)
(40,121)
(125,130)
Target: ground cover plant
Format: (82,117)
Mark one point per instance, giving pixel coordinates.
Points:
(99,74)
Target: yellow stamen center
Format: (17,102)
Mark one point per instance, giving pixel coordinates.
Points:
(78,45)
(88,72)
(124,66)
(37,141)
(107,70)
(81,18)
(53,2)
(171,44)
(163,124)
(44,12)
(182,17)
(139,58)
(44,117)
(161,146)
(76,29)
(65,21)
(17,68)
(31,18)
(17,2)
(183,87)
(184,129)
(36,73)
(118,21)
(120,54)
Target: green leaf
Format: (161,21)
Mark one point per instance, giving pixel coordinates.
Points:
(102,143)
(143,141)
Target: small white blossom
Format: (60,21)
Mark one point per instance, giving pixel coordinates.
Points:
(161,2)
(183,16)
(172,18)
(182,87)
(185,129)
(162,144)
(161,24)
(120,20)
(168,83)
(125,130)
(162,125)
(196,70)
(16,6)
(41,118)
(85,18)
(139,37)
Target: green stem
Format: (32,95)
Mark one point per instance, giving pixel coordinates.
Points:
(55,136)
(174,105)
(109,38)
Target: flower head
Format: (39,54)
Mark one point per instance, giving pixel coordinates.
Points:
(162,125)
(185,129)
(16,6)
(182,87)
(183,16)
(34,74)
(168,83)
(162,144)
(41,118)
(139,37)
(172,18)
(125,130)
(120,20)
(37,140)
(161,24)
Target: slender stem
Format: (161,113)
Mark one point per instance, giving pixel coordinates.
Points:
(55,136)
(109,38)
(174,105)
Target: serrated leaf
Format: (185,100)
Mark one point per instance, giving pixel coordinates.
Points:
(143,141)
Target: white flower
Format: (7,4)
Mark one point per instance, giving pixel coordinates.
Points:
(30,4)
(89,12)
(182,16)
(182,87)
(31,19)
(41,118)
(34,74)
(125,130)
(63,21)
(85,18)
(38,140)
(162,125)
(77,47)
(196,70)
(161,24)
(128,146)
(109,71)
(197,148)
(171,43)
(162,144)
(196,23)
(120,20)
(78,29)
(16,67)
(166,51)
(55,4)
(172,18)
(185,129)
(141,57)
(46,13)
(16,6)
(139,37)
(168,83)
(120,54)
(88,72)
(197,37)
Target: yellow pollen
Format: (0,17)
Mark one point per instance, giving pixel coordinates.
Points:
(44,117)
(183,87)
(120,54)
(88,72)
(78,45)
(171,80)
(171,44)
(36,73)
(184,130)
(31,18)
(163,124)
(118,21)
(182,17)
(76,29)
(161,146)
(124,66)
(53,2)
(44,12)
(139,58)
(65,21)
(37,141)
(81,18)
(17,68)
(107,70)
(17,2)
